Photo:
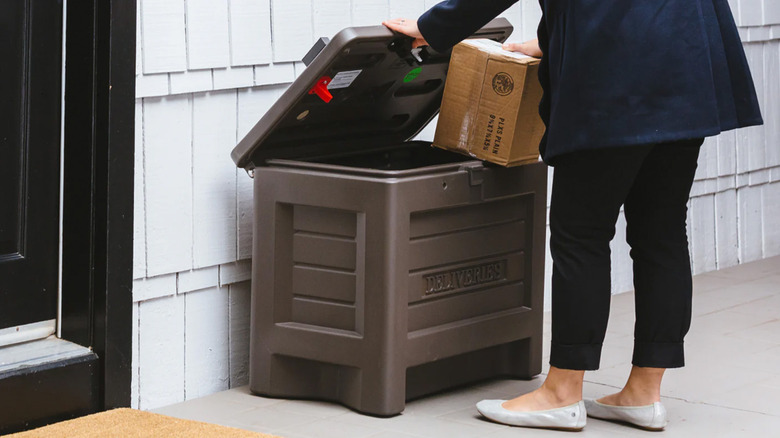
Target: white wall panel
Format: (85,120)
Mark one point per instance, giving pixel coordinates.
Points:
(207,342)
(197,279)
(138,41)
(758,177)
(154,287)
(771,110)
(168,166)
(756,137)
(708,159)
(135,391)
(742,149)
(299,67)
(734,5)
(245,212)
(431,3)
(272,74)
(151,85)
(252,105)
(330,16)
(622,274)
(235,272)
(726,229)
(411,9)
(214,178)
(727,153)
(139,223)
(750,223)
(191,81)
(771,12)
(369,12)
(771,219)
(161,352)
(162,29)
(703,234)
(532,14)
(743,34)
(292,30)
(250,32)
(233,77)
(727,182)
(208,44)
(759,33)
(240,302)
(742,179)
(750,13)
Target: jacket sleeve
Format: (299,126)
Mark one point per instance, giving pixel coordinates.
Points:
(452,21)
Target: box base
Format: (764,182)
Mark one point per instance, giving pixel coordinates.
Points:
(298,378)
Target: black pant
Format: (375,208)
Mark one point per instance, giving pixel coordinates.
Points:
(653,182)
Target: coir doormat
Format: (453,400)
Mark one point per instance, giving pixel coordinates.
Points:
(131,423)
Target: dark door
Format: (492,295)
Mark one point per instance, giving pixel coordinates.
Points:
(30,101)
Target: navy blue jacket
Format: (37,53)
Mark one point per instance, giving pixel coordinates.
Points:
(620,72)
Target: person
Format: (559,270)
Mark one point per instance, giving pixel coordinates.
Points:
(631,88)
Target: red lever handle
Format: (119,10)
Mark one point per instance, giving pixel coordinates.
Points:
(321,89)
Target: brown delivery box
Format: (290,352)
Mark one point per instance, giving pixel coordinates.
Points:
(490,108)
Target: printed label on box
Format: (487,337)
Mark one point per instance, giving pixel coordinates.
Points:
(343,79)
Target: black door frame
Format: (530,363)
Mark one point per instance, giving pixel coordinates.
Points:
(97,231)
(98,188)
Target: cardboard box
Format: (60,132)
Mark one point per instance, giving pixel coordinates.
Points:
(490,108)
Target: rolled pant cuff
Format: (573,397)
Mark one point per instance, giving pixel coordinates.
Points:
(575,356)
(658,354)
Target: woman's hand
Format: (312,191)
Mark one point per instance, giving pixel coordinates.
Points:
(409,28)
(530,48)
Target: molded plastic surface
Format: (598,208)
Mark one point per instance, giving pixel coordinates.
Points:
(373,285)
(381,95)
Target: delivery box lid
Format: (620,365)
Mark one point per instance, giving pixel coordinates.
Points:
(366,89)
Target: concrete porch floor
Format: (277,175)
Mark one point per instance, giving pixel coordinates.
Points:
(730,386)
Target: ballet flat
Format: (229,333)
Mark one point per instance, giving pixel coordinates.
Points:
(572,417)
(650,417)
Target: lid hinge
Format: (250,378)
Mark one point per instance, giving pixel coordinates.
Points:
(476,174)
(403,48)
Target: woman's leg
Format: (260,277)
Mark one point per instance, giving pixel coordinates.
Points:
(588,189)
(656,212)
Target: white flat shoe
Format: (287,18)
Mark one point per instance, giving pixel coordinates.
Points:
(570,417)
(650,417)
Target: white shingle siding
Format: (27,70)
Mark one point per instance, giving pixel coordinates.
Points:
(197,279)
(207,341)
(167,150)
(702,239)
(239,333)
(162,36)
(726,229)
(250,32)
(160,352)
(214,194)
(208,43)
(291,22)
(207,70)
